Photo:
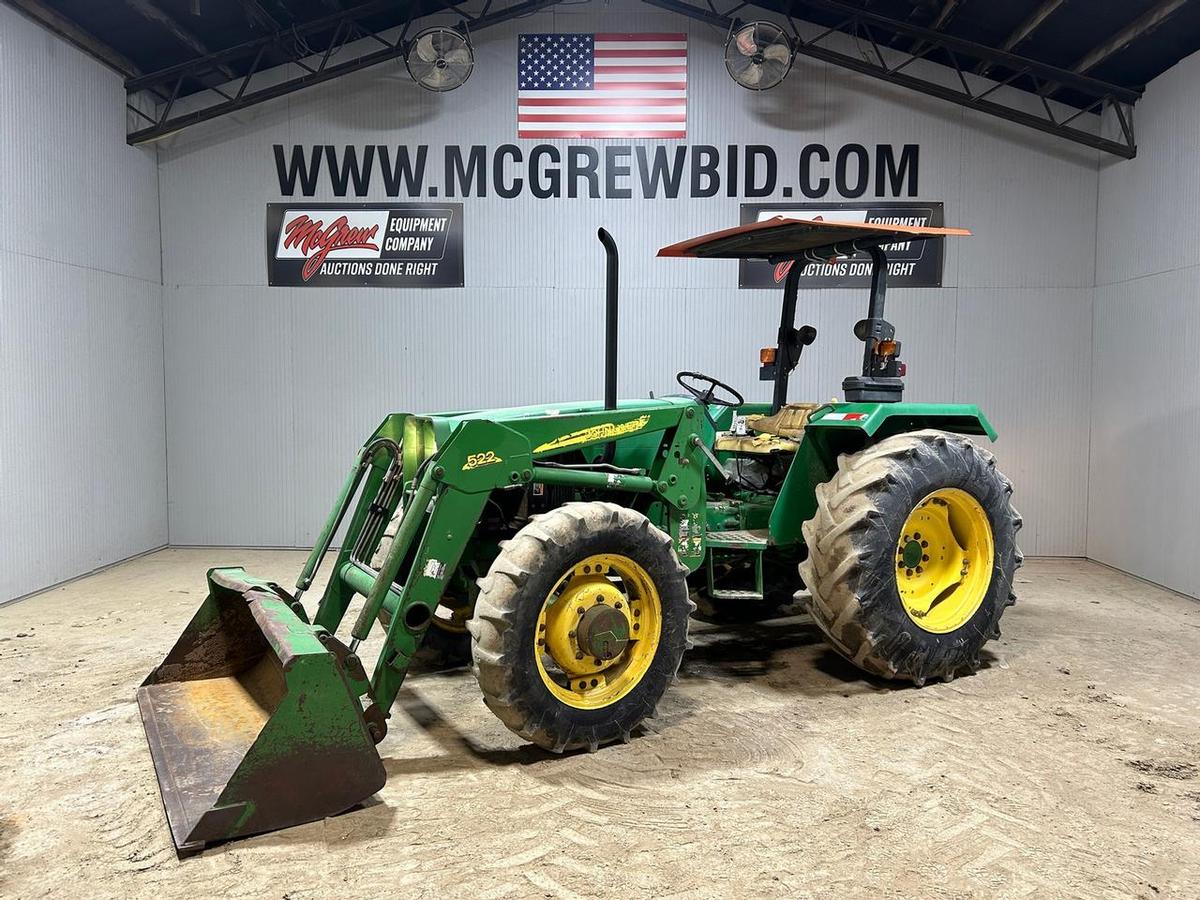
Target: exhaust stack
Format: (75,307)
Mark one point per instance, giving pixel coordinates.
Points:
(610,318)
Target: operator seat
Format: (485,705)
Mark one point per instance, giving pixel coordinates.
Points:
(789,422)
(779,433)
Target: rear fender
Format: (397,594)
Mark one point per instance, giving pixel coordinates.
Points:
(838,428)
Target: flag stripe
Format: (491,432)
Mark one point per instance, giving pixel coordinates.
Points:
(602,85)
(597,101)
(666,113)
(601,118)
(641,70)
(641,36)
(587,132)
(639,85)
(676,80)
(676,94)
(639,53)
(639,127)
(614,46)
(656,63)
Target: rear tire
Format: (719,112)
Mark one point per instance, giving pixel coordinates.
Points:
(862,565)
(547,579)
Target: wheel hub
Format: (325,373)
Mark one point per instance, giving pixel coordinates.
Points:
(944,560)
(603,632)
(911,554)
(600,626)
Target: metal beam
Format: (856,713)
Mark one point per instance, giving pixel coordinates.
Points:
(256,14)
(152,13)
(949,8)
(288,45)
(250,49)
(1138,28)
(1031,24)
(55,22)
(986,98)
(977,51)
(947,13)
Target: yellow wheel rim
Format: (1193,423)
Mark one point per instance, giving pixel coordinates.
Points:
(452,616)
(598,631)
(944,560)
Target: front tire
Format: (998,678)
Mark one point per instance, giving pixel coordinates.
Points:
(911,556)
(580,626)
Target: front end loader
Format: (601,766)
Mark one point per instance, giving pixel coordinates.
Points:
(561,550)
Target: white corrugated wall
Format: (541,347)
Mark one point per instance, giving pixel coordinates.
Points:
(82,461)
(1145,459)
(270,391)
(1077,339)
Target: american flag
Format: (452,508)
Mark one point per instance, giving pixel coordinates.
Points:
(602,85)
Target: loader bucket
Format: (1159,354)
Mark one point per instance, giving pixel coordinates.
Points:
(252,723)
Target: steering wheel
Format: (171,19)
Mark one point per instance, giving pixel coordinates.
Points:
(708,395)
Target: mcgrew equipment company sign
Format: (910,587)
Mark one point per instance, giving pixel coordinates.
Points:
(910,264)
(365,244)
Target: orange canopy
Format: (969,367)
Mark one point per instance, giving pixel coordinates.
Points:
(780,237)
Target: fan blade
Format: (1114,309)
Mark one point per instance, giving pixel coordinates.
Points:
(425,48)
(418,68)
(744,41)
(436,79)
(459,56)
(738,64)
(773,73)
(752,76)
(778,53)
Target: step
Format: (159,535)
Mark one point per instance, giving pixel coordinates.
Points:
(757,539)
(722,594)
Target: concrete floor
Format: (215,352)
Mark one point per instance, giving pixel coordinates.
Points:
(1069,766)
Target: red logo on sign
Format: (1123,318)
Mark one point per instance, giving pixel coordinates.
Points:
(781,269)
(317,242)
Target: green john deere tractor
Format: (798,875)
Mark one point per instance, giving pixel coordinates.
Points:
(562,549)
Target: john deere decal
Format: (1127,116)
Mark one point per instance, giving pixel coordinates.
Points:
(595,434)
(365,245)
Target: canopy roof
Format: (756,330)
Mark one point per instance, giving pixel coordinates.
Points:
(782,238)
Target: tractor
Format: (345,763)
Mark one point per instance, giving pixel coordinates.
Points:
(562,549)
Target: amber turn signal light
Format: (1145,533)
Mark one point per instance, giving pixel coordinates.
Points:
(766,356)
